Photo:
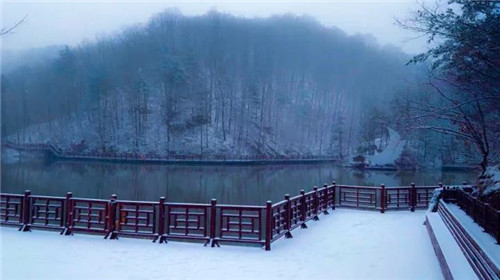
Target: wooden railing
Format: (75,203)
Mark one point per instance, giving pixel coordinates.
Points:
(479,260)
(211,223)
(482,213)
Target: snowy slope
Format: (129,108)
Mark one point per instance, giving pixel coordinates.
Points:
(123,136)
(120,133)
(390,153)
(492,180)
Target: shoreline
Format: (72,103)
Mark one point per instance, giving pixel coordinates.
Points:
(55,154)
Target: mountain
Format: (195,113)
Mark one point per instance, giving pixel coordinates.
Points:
(210,84)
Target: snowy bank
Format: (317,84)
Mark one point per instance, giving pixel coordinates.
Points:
(491,180)
(385,158)
(347,244)
(390,153)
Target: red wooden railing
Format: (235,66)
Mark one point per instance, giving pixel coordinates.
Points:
(186,221)
(46,212)
(424,195)
(361,197)
(11,209)
(478,258)
(137,218)
(87,215)
(242,224)
(482,213)
(210,223)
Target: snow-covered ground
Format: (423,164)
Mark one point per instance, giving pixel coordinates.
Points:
(347,244)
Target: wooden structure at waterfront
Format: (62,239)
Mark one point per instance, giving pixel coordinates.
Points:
(129,157)
(211,223)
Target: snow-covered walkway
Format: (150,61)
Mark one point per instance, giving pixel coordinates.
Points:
(347,244)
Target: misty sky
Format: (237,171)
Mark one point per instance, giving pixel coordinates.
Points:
(70,22)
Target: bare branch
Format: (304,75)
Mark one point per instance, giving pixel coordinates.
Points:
(8,30)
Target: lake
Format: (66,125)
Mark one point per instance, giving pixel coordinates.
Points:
(250,184)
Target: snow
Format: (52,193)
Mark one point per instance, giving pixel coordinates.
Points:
(390,153)
(436,195)
(72,129)
(85,126)
(492,181)
(455,259)
(347,244)
(483,239)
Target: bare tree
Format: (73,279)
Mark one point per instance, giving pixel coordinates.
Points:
(9,30)
(465,72)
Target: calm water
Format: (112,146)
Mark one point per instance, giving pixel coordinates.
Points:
(186,183)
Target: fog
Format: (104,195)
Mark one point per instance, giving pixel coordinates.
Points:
(231,79)
(70,22)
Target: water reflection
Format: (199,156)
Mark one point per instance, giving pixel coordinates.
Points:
(195,183)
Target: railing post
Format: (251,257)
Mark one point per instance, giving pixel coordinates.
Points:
(325,199)
(316,204)
(288,217)
(303,209)
(213,223)
(111,218)
(269,226)
(413,197)
(485,214)
(382,198)
(443,191)
(26,211)
(68,214)
(474,209)
(497,218)
(334,193)
(161,221)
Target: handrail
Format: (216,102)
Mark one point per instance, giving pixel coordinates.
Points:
(253,207)
(359,187)
(481,212)
(211,223)
(480,262)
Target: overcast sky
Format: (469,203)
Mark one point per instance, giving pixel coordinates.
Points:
(70,22)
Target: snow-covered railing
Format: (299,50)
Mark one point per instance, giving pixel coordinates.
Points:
(482,213)
(210,223)
(480,261)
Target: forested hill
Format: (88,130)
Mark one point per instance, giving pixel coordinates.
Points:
(211,84)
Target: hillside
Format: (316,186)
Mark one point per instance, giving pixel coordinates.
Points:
(211,84)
